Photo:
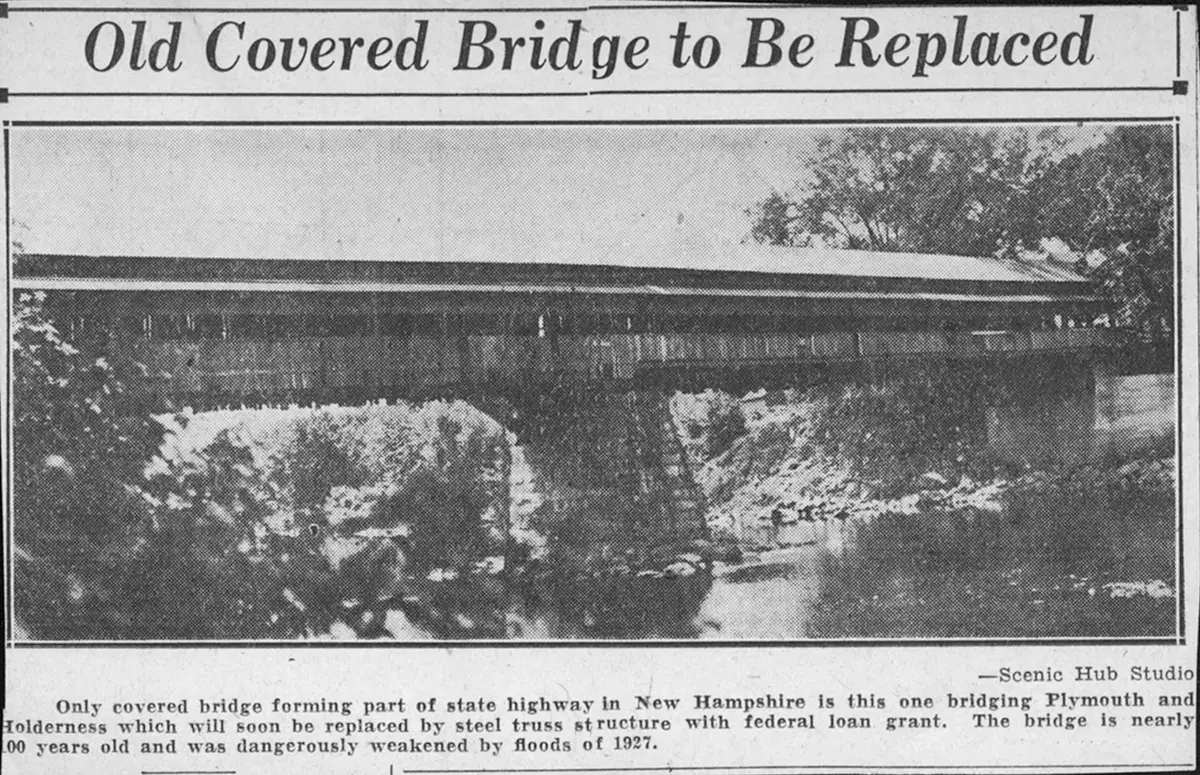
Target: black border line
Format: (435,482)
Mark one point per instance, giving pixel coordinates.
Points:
(283,10)
(686,6)
(1179,364)
(591,93)
(929,90)
(450,645)
(822,767)
(304,95)
(1178,43)
(9,523)
(37,123)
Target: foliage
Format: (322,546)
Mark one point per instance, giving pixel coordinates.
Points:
(79,453)
(223,565)
(453,500)
(314,522)
(1116,199)
(962,192)
(711,420)
(901,427)
(929,190)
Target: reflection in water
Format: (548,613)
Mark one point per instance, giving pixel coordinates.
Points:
(1041,565)
(1065,560)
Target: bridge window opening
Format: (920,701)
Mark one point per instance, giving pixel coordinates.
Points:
(203,326)
(678,325)
(138,327)
(562,324)
(396,325)
(780,324)
(352,325)
(594,324)
(476,325)
(277,327)
(314,325)
(427,324)
(611,324)
(245,327)
(541,326)
(335,325)
(170,327)
(524,325)
(746,324)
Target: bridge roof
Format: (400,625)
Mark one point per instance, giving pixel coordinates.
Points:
(775,259)
(696,268)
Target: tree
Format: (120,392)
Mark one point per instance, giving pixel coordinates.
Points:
(78,458)
(963,192)
(1115,203)
(939,190)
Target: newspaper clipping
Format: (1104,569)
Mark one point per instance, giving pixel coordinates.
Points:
(505,387)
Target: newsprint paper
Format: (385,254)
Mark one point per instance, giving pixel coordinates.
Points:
(522,387)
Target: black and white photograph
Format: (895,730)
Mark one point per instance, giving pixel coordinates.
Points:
(774,382)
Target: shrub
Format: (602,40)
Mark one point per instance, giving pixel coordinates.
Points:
(893,429)
(711,421)
(81,524)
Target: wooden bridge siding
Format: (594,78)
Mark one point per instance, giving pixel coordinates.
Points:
(836,313)
(379,364)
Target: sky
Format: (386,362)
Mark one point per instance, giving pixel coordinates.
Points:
(534,193)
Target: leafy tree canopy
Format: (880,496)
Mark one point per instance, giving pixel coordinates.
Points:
(1115,202)
(943,190)
(963,192)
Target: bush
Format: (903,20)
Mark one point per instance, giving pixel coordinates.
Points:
(711,421)
(80,523)
(335,519)
(226,562)
(892,430)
